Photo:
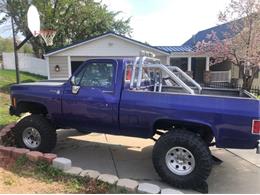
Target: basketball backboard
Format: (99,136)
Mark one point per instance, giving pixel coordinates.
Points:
(33,20)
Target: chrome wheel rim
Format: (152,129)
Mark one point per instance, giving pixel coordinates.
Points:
(31,137)
(180,161)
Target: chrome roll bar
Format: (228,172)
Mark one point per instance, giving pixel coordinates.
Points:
(133,72)
(186,76)
(150,62)
(172,75)
(142,62)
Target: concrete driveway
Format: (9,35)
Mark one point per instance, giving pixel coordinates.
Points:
(129,157)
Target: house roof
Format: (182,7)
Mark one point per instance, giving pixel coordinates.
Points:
(78,43)
(171,49)
(222,31)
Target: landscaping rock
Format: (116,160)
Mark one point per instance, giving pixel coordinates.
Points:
(170,191)
(148,188)
(3,133)
(61,163)
(34,155)
(18,152)
(7,137)
(111,179)
(128,184)
(7,151)
(90,173)
(48,157)
(74,170)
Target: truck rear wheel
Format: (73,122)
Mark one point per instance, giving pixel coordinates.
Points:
(35,133)
(182,159)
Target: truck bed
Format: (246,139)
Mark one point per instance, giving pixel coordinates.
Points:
(210,91)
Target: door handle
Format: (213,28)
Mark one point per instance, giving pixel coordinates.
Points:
(107,91)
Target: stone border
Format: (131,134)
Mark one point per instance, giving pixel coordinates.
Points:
(6,135)
(10,154)
(130,185)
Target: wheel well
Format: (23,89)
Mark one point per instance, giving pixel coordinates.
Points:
(32,107)
(203,130)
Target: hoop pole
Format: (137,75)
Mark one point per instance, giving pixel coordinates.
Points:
(15,54)
(30,35)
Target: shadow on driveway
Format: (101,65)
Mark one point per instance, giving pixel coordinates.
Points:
(129,157)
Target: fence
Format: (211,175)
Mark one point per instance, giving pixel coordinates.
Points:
(254,90)
(220,76)
(27,63)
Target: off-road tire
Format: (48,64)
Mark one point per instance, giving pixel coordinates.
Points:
(191,142)
(44,127)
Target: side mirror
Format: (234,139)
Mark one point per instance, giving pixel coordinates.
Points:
(75,89)
(72,80)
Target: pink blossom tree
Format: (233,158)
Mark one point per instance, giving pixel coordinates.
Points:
(241,46)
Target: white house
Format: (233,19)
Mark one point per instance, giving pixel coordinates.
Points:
(108,45)
(64,61)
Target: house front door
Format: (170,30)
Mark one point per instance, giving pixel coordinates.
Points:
(198,66)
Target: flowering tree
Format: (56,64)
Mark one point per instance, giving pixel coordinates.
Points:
(241,46)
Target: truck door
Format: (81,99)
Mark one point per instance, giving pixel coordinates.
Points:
(95,105)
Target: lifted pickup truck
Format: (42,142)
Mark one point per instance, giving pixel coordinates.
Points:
(142,98)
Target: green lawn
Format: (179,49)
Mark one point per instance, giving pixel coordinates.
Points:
(7,78)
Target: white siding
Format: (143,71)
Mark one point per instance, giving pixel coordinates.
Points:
(163,59)
(63,63)
(107,46)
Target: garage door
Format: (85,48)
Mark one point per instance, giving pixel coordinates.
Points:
(75,65)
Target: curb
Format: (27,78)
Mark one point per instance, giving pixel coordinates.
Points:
(10,154)
(129,185)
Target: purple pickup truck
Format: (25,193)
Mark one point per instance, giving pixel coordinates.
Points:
(141,98)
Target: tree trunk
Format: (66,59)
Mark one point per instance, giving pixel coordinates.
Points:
(248,80)
(37,47)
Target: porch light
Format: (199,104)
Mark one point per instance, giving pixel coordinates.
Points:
(57,68)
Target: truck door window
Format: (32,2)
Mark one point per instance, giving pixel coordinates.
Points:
(79,76)
(98,75)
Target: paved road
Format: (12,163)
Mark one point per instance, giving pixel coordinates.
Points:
(131,158)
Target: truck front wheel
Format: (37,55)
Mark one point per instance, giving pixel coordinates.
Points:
(182,158)
(35,133)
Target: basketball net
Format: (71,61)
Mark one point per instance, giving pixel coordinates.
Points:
(47,36)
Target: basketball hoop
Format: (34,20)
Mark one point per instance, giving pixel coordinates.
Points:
(48,36)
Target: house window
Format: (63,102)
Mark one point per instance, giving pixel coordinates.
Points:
(182,63)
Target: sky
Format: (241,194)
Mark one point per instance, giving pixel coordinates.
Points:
(164,22)
(168,22)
